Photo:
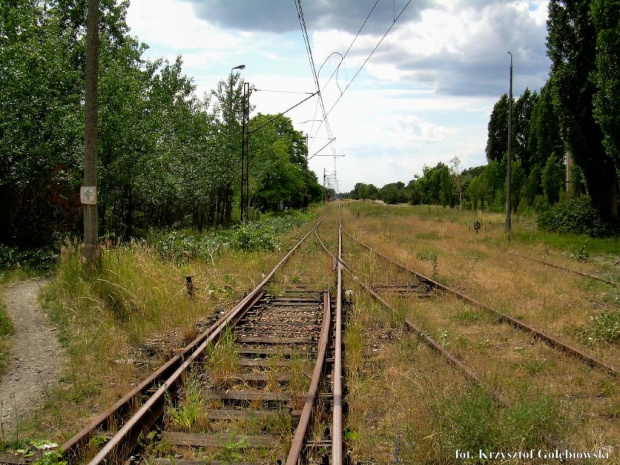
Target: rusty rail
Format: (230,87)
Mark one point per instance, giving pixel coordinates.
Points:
(306,414)
(580,273)
(337,410)
(469,374)
(502,317)
(167,378)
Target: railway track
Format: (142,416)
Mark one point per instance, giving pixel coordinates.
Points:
(518,357)
(502,317)
(261,385)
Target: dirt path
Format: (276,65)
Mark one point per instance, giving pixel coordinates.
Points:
(34,364)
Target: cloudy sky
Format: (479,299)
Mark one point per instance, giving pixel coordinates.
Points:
(424,96)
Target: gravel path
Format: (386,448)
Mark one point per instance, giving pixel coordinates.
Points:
(35,363)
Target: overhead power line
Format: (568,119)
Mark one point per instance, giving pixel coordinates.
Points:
(352,42)
(304,30)
(396,18)
(369,56)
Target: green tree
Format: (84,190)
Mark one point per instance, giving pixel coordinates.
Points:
(278,170)
(497,141)
(571,45)
(544,130)
(41,125)
(393,193)
(523,109)
(553,179)
(606,18)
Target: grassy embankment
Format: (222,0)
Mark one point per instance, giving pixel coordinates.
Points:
(423,410)
(6,330)
(126,319)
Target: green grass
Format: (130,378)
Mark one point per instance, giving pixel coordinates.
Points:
(524,230)
(6,330)
(476,422)
(571,243)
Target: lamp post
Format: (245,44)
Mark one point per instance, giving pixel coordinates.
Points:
(508,162)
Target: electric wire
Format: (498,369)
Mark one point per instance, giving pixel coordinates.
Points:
(369,56)
(304,30)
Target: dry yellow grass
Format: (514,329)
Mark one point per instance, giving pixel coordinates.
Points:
(578,406)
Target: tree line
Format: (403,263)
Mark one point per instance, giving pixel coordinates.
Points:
(575,116)
(166,157)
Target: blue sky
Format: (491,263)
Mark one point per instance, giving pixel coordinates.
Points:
(424,96)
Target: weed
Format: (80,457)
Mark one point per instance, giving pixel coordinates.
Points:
(431,256)
(575,216)
(35,260)
(483,345)
(582,255)
(534,366)
(222,360)
(468,315)
(607,326)
(186,413)
(231,448)
(431,235)
(476,422)
(608,388)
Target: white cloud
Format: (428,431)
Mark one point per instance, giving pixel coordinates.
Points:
(172,24)
(424,97)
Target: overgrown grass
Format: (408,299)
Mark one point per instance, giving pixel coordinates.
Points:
(6,330)
(185,415)
(475,422)
(408,405)
(125,319)
(222,361)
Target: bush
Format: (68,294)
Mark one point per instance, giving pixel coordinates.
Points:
(36,259)
(574,216)
(181,246)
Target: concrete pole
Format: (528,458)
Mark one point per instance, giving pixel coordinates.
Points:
(508,164)
(89,191)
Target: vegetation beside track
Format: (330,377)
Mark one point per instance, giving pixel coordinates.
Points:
(429,411)
(126,319)
(6,330)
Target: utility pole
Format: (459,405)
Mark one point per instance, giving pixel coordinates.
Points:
(306,200)
(245,156)
(88,192)
(324,186)
(508,167)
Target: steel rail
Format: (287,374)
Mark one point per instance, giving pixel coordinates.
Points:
(580,273)
(168,375)
(502,317)
(469,374)
(337,407)
(306,415)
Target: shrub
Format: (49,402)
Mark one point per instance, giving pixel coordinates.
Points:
(36,259)
(254,236)
(574,216)
(182,246)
